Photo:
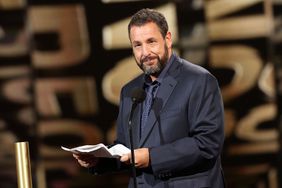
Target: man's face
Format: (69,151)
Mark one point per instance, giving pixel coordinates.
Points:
(150,49)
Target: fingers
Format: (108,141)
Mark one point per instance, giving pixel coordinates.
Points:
(86,160)
(84,157)
(83,163)
(125,158)
(75,156)
(141,158)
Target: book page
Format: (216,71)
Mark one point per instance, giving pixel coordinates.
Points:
(119,150)
(99,150)
(87,148)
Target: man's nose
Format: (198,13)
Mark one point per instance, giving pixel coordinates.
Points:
(145,50)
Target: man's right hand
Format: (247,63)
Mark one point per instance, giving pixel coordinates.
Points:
(86,160)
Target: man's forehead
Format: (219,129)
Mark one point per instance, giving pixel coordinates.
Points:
(145,31)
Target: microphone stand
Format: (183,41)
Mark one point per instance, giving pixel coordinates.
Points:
(131,144)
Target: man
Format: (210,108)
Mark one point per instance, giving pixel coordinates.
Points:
(179,135)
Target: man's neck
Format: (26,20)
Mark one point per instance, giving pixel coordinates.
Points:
(153,78)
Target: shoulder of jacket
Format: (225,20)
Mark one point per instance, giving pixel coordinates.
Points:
(133,83)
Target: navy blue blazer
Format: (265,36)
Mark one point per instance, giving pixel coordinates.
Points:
(184,131)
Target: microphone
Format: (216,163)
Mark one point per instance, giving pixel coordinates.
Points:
(138,95)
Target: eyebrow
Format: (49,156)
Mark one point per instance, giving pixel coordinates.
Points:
(149,39)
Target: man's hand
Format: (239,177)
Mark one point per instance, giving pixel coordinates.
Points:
(142,158)
(86,160)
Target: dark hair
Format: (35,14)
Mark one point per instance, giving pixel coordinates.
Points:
(147,15)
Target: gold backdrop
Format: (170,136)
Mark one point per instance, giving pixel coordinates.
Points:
(63,63)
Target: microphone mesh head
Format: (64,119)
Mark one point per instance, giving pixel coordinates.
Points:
(138,95)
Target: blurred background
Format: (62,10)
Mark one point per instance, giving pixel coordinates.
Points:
(63,63)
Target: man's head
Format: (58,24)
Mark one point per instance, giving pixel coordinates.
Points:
(145,16)
(150,40)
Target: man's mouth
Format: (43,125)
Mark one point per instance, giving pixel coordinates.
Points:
(148,61)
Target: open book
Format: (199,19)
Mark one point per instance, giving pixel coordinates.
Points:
(100,150)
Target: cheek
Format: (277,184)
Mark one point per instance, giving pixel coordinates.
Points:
(158,49)
(137,55)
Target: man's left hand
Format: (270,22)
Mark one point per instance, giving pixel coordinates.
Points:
(142,158)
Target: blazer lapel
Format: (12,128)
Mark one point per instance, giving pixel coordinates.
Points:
(137,115)
(162,96)
(136,126)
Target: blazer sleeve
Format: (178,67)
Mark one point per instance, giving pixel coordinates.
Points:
(198,151)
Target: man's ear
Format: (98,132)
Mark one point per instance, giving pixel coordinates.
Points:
(168,39)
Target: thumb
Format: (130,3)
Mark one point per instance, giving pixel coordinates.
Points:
(124,158)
